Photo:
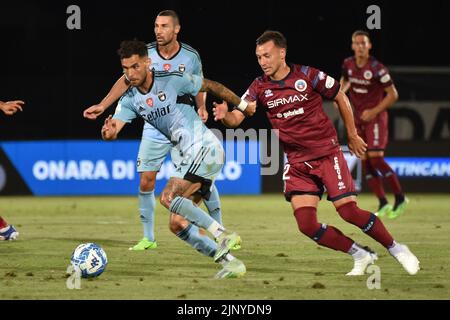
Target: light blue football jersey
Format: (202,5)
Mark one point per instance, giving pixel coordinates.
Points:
(186,60)
(178,123)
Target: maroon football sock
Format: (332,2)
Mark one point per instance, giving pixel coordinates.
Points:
(3,223)
(381,165)
(368,222)
(374,182)
(327,236)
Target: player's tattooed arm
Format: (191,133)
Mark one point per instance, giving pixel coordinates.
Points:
(355,143)
(230,119)
(222,92)
(117,90)
(111,128)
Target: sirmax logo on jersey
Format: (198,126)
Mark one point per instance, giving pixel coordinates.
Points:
(155,114)
(301,85)
(282,101)
(161,96)
(181,68)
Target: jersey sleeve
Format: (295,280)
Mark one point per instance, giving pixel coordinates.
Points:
(252,92)
(383,76)
(324,84)
(197,68)
(187,84)
(125,111)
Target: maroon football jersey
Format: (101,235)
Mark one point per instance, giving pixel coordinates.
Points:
(367,84)
(294,107)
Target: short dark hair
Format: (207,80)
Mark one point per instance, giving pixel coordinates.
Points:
(131,47)
(269,35)
(170,13)
(360,33)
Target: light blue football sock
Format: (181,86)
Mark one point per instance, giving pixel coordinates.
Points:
(201,243)
(186,208)
(147,213)
(213,205)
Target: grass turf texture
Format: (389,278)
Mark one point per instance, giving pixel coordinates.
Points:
(281,262)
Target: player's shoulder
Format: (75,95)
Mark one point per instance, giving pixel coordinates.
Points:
(164,75)
(349,61)
(375,64)
(152,46)
(188,50)
(127,97)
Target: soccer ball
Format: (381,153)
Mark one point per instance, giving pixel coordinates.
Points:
(90,259)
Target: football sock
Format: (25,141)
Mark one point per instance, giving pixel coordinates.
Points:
(368,222)
(381,165)
(325,235)
(147,213)
(194,214)
(201,243)
(395,249)
(357,252)
(374,181)
(3,223)
(213,205)
(399,198)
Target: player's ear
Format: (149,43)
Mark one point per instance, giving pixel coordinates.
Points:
(283,53)
(177,29)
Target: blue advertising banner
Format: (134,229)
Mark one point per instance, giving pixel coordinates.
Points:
(421,167)
(108,168)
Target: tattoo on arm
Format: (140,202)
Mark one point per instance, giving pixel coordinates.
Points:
(220,91)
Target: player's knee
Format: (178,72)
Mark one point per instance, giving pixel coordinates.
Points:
(177,224)
(165,200)
(147,181)
(306,218)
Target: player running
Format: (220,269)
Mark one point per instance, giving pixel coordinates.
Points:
(371,92)
(198,155)
(291,96)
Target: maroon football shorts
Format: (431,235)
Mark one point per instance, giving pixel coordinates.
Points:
(375,133)
(313,177)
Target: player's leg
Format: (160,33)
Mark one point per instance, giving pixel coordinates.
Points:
(377,138)
(213,204)
(150,158)
(339,183)
(304,190)
(7,232)
(376,159)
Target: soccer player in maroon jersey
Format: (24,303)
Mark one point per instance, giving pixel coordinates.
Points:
(291,95)
(8,232)
(371,92)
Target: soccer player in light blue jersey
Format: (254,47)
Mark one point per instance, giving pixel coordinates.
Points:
(197,153)
(168,55)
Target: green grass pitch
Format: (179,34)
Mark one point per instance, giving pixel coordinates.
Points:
(281,262)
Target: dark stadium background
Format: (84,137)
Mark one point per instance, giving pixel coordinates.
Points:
(59,72)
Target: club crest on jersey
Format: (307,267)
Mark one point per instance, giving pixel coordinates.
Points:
(161,96)
(300,85)
(268,93)
(368,75)
(181,68)
(149,102)
(166,66)
(329,83)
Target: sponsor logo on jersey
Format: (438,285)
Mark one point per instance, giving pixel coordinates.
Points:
(300,85)
(149,102)
(329,83)
(368,75)
(157,113)
(166,66)
(360,90)
(290,113)
(385,78)
(161,96)
(291,99)
(359,81)
(181,68)
(268,93)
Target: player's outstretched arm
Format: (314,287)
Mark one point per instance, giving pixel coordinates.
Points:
(117,90)
(111,128)
(11,107)
(390,98)
(229,119)
(200,101)
(222,92)
(356,145)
